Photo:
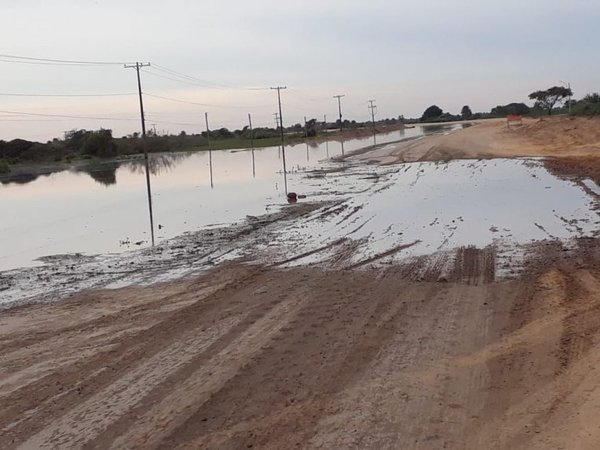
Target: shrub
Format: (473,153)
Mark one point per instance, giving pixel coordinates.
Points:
(587,106)
(99,143)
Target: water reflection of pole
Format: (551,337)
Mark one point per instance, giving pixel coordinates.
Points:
(209,150)
(327,147)
(373,107)
(306,138)
(137,67)
(252,144)
(342,148)
(279,88)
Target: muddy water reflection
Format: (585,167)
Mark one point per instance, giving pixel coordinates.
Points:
(103,207)
(424,208)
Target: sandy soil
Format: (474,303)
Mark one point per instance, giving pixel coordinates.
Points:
(410,355)
(246,356)
(547,137)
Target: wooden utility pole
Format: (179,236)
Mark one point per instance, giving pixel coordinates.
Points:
(251,131)
(372,107)
(339,99)
(137,66)
(305,129)
(279,88)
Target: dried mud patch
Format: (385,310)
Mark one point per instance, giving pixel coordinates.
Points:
(578,167)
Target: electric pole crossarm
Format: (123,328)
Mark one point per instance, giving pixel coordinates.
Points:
(137,66)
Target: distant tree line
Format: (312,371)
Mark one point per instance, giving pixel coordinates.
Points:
(554,100)
(88,144)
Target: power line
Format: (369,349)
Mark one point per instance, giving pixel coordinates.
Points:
(198,80)
(44,63)
(157,119)
(173,79)
(187,77)
(23,113)
(2,119)
(203,104)
(177,100)
(18,94)
(32,60)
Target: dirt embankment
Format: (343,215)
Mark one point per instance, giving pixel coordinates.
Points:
(246,356)
(547,137)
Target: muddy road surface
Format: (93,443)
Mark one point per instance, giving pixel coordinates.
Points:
(248,356)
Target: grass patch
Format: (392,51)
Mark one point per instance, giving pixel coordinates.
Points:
(4,166)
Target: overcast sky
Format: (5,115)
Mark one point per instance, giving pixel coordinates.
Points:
(406,55)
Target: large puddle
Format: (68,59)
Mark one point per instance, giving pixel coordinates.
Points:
(104,208)
(77,230)
(354,215)
(424,208)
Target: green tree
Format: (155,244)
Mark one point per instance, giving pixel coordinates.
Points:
(592,98)
(587,106)
(311,128)
(432,112)
(512,108)
(550,97)
(74,139)
(100,143)
(466,112)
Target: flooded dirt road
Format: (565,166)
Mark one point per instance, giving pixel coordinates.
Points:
(426,305)
(102,207)
(354,216)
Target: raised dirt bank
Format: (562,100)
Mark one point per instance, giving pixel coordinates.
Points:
(545,137)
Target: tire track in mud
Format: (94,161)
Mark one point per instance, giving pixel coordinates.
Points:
(269,357)
(196,381)
(475,266)
(38,402)
(93,416)
(329,246)
(312,360)
(377,257)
